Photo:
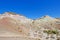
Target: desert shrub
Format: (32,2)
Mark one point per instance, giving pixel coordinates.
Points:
(51,31)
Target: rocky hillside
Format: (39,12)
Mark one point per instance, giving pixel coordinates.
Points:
(14,24)
(47,22)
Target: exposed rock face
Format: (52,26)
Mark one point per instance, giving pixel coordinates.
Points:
(47,22)
(14,24)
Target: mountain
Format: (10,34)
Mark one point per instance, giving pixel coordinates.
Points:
(47,22)
(15,24)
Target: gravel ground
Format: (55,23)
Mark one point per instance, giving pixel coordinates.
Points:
(18,38)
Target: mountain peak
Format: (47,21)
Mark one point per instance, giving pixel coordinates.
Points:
(46,16)
(10,13)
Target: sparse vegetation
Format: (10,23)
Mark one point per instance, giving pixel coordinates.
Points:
(51,31)
(12,13)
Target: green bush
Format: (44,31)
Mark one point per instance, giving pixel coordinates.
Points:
(51,31)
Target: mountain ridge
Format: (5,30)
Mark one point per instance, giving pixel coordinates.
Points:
(20,25)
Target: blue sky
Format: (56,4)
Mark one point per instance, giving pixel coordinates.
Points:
(31,8)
